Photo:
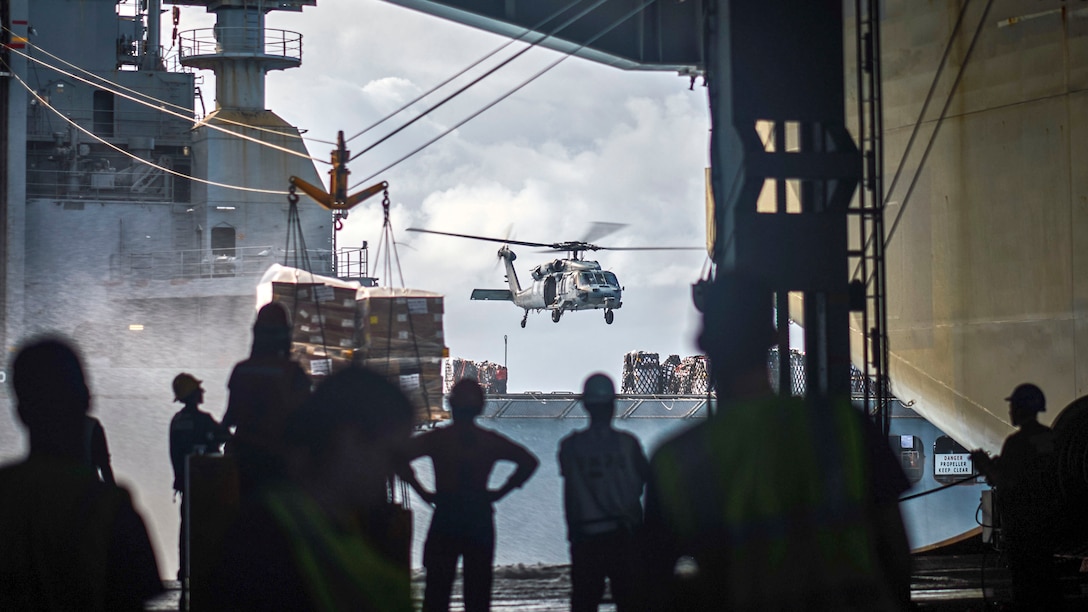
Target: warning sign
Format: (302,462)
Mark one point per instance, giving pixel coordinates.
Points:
(958,464)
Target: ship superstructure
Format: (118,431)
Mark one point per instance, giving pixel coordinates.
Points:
(138,230)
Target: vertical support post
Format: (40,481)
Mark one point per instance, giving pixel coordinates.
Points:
(785,367)
(782,61)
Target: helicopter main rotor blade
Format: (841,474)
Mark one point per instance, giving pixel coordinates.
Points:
(669,248)
(600,229)
(487,238)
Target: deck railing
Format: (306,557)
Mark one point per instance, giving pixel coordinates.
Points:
(203,263)
(240,41)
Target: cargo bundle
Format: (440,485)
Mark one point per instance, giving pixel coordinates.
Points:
(395,332)
(644,374)
(491,376)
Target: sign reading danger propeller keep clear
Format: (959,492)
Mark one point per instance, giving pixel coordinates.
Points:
(957,464)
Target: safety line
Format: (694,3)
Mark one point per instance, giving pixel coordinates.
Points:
(886,196)
(937,127)
(46,104)
(178,115)
(153,98)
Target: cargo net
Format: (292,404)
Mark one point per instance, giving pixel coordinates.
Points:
(644,374)
(491,376)
(395,332)
(797,371)
(858,380)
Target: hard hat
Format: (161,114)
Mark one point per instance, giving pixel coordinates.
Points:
(598,389)
(184,386)
(271,315)
(1028,397)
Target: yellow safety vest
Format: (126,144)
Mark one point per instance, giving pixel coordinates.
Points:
(772,499)
(341,570)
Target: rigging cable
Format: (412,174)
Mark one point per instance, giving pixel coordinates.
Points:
(467,68)
(921,116)
(940,121)
(540,73)
(148,96)
(389,240)
(940,488)
(483,76)
(936,128)
(84,130)
(176,114)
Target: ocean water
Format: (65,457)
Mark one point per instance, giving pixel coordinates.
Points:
(529,522)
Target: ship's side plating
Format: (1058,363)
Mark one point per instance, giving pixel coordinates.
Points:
(986,283)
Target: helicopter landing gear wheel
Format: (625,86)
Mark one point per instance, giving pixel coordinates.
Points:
(524,319)
(556,314)
(608,316)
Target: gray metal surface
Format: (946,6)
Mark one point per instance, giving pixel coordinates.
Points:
(569,405)
(664,36)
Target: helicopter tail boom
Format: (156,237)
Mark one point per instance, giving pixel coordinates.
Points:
(502,295)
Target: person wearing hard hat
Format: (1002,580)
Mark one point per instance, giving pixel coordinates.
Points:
(191,431)
(1024,492)
(604,472)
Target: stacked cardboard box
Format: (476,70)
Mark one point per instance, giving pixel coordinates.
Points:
(396,332)
(325,322)
(402,323)
(421,381)
(403,338)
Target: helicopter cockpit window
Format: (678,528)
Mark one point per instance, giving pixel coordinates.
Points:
(611,279)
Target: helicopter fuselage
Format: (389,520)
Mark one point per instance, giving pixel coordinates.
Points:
(569,284)
(559,285)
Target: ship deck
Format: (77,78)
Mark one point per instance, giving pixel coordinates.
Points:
(534,404)
(940,583)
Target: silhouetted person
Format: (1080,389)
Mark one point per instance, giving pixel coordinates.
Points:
(780,503)
(95,449)
(302,546)
(1022,476)
(463,524)
(191,431)
(68,541)
(604,472)
(264,391)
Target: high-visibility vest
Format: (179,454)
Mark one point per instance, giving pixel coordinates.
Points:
(773,500)
(340,569)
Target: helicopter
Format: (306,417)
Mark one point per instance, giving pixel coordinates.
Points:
(560,285)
